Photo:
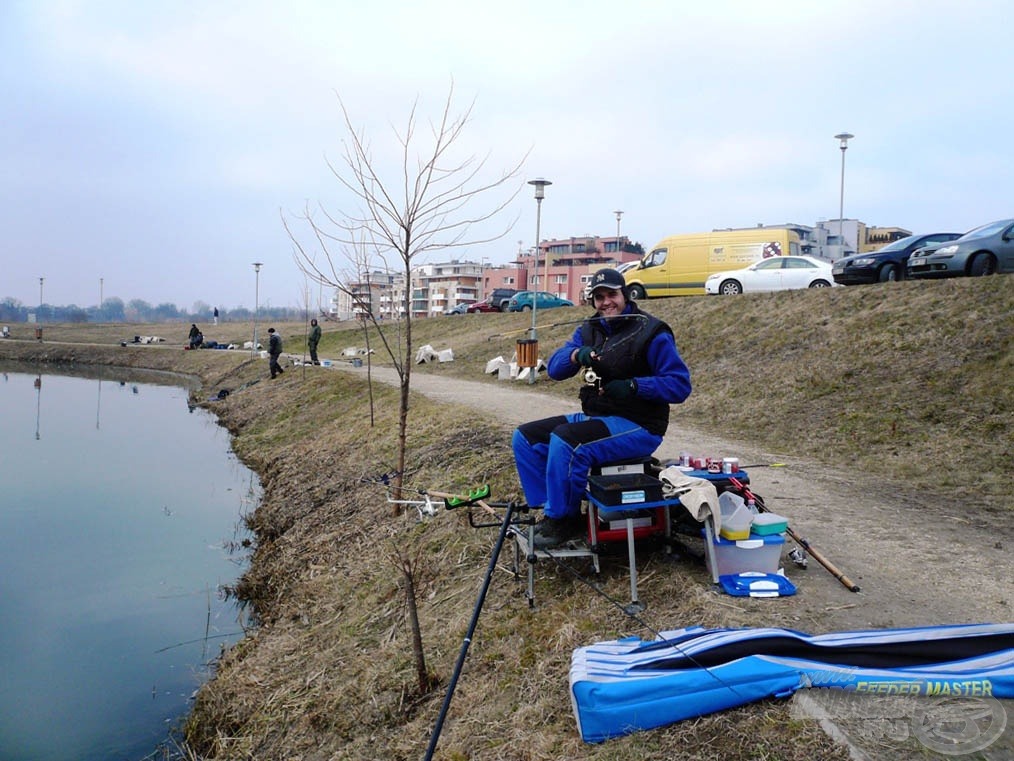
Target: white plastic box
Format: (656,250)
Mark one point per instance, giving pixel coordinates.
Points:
(758,553)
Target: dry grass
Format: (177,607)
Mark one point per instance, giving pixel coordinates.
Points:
(895,378)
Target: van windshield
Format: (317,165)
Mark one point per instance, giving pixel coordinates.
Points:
(655,258)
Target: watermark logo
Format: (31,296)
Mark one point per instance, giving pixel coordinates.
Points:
(965,720)
(958,726)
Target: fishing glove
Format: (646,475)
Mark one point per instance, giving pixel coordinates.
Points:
(584,356)
(620,389)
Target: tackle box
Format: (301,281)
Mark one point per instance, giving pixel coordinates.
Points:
(765,524)
(624,489)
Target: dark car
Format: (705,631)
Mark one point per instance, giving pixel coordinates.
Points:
(500,298)
(983,251)
(457,309)
(887,263)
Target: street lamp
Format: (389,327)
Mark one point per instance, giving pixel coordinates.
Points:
(540,193)
(257,294)
(844,137)
(38,328)
(618,214)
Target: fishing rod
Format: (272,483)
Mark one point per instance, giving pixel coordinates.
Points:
(802,542)
(510,333)
(494,556)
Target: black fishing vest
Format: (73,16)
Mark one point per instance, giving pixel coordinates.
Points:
(623,353)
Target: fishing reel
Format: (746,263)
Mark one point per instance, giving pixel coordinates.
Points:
(592,378)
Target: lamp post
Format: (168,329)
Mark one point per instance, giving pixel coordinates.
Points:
(257,293)
(100,294)
(618,214)
(844,138)
(38,326)
(540,193)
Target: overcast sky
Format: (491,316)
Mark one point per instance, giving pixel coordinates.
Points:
(155,145)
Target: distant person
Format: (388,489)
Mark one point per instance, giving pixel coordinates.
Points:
(196,337)
(313,340)
(274,352)
(216,315)
(6,332)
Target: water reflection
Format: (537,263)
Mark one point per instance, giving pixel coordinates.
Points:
(114,557)
(38,405)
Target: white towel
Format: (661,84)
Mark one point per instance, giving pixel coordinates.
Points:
(697,495)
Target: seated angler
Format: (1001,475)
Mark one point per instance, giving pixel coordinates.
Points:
(624,414)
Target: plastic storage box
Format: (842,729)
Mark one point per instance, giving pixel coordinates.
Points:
(758,553)
(736,517)
(765,524)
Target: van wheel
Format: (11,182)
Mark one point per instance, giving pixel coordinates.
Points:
(982,264)
(637,292)
(730,288)
(888,274)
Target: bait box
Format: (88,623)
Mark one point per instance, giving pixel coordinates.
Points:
(624,489)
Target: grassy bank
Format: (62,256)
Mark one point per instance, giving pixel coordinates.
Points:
(895,379)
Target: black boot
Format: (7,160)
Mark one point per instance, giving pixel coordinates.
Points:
(552,532)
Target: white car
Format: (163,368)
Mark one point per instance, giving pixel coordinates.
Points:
(775,274)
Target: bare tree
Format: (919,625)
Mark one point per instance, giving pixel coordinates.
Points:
(433,202)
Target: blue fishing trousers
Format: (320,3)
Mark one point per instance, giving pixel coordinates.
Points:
(553,456)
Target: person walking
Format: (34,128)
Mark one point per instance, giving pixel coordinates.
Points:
(313,340)
(624,409)
(274,352)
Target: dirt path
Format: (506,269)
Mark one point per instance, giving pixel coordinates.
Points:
(919,560)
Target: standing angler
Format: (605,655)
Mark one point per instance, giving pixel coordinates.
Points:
(274,352)
(312,340)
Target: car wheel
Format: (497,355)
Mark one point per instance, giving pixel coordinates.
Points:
(730,288)
(820,284)
(982,264)
(637,292)
(888,273)
(526,308)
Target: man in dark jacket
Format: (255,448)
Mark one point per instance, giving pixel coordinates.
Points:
(637,373)
(312,340)
(274,352)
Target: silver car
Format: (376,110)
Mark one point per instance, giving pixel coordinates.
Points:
(983,251)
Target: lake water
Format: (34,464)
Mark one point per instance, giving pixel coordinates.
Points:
(119,512)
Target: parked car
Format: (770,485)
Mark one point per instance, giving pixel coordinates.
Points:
(887,263)
(457,309)
(500,297)
(522,301)
(774,274)
(486,305)
(983,251)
